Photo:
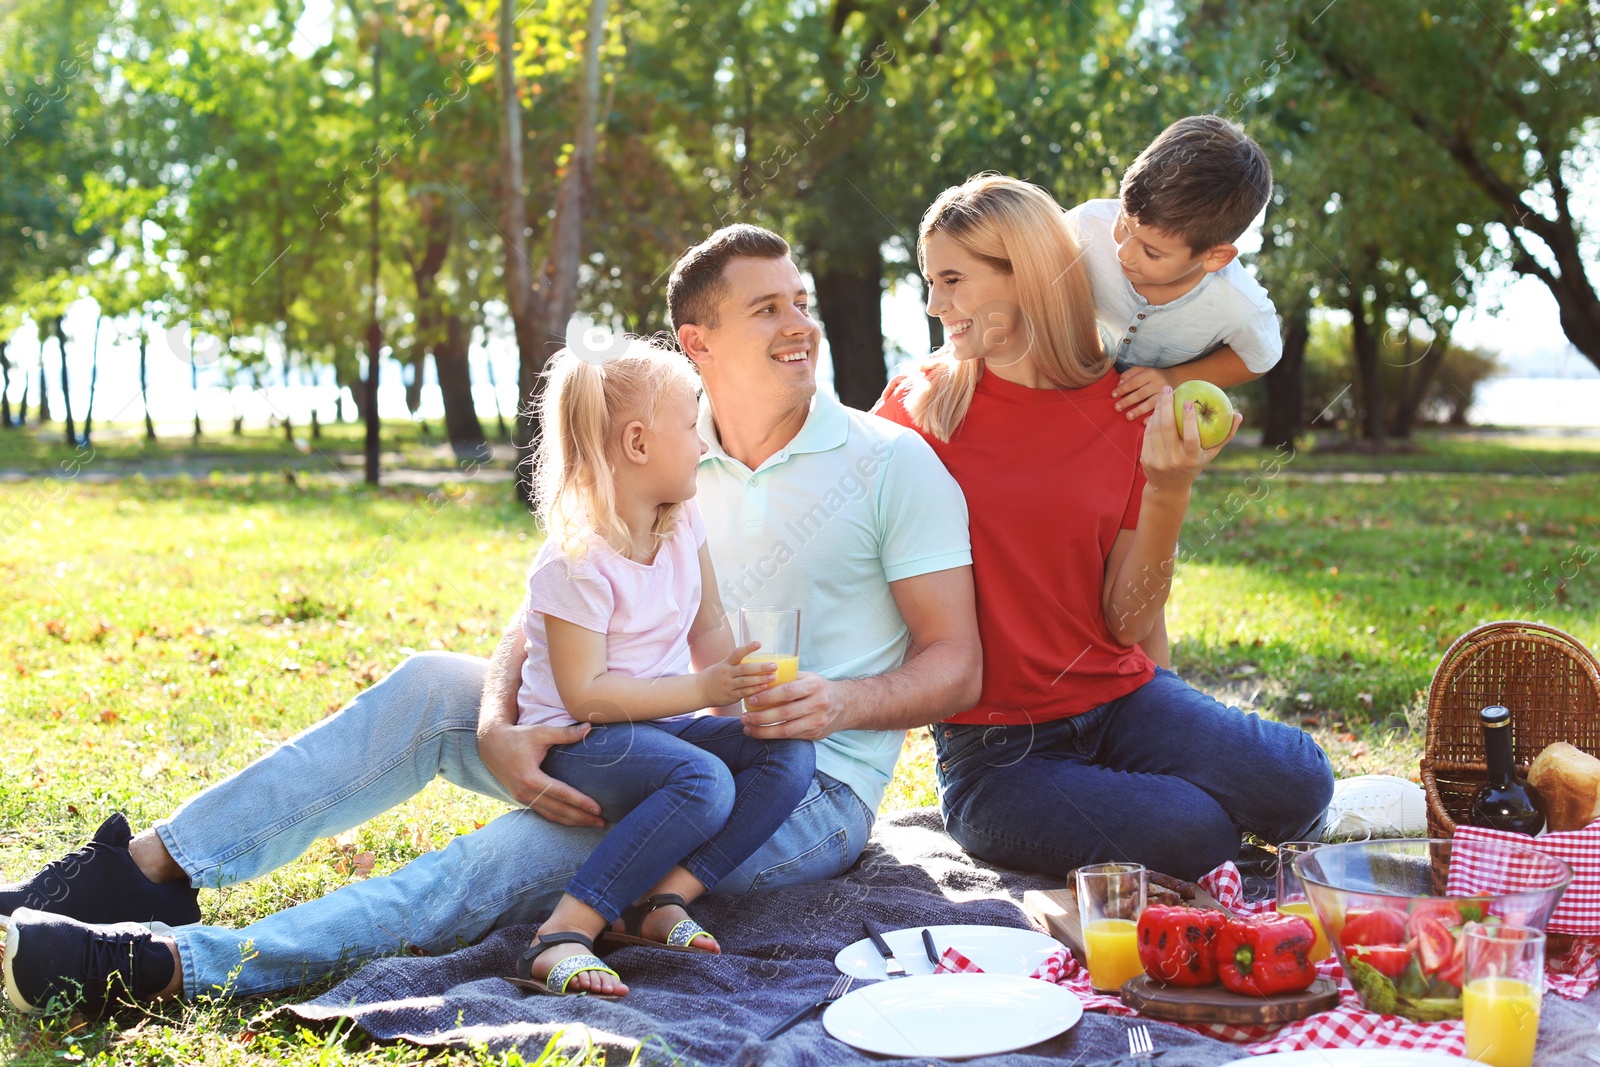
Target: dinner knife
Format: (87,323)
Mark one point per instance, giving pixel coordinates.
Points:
(927,943)
(890,964)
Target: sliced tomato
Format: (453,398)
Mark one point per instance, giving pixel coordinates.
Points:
(1455,967)
(1373,926)
(1435,944)
(1388,960)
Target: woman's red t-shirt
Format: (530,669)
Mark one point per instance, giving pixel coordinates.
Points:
(1051,476)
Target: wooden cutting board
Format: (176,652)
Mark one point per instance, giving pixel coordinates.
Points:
(1057,911)
(1213,1004)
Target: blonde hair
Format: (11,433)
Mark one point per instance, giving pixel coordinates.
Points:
(1016,228)
(574,474)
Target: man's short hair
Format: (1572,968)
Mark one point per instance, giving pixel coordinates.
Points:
(697,285)
(1204,180)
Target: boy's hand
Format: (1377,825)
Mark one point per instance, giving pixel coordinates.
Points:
(1138,390)
(731,680)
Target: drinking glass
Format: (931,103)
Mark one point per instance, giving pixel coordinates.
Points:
(1110,899)
(1500,1000)
(1292,899)
(778,630)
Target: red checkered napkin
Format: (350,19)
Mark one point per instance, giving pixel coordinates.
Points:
(1059,968)
(1477,866)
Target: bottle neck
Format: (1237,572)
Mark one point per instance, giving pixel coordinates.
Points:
(1497,746)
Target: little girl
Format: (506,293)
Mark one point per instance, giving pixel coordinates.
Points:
(625,630)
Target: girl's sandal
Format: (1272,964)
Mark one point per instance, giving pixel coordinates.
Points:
(680,939)
(562,974)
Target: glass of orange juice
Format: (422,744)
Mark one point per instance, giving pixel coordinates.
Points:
(1292,899)
(1500,1000)
(778,630)
(1110,898)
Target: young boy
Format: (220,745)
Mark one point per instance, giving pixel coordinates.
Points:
(1171,300)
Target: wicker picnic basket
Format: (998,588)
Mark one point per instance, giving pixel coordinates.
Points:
(1546,677)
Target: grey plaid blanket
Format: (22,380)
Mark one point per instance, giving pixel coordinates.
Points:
(778,949)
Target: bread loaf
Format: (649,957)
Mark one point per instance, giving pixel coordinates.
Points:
(1568,780)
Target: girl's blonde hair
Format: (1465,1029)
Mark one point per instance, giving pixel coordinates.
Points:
(574,464)
(1019,229)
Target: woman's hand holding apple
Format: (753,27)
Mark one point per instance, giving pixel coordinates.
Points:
(1172,456)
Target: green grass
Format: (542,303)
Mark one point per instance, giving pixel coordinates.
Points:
(1314,599)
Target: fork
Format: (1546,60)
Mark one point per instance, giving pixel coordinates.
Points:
(1140,1046)
(841,986)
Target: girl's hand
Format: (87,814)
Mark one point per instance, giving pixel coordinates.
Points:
(731,680)
(1172,456)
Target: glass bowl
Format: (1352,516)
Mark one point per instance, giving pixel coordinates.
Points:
(1397,935)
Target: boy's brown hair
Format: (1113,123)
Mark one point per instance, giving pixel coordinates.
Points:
(1204,180)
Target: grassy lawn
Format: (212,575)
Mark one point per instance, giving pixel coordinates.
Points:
(163,632)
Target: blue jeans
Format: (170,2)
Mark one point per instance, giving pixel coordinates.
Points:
(378,751)
(695,793)
(1165,776)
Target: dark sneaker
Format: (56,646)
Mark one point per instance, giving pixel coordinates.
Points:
(100,883)
(53,962)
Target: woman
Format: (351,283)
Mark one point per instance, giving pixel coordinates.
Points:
(1075,521)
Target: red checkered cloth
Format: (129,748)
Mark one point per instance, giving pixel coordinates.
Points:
(1478,866)
(1347,1026)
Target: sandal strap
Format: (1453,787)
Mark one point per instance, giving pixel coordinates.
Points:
(683,935)
(543,942)
(569,968)
(633,915)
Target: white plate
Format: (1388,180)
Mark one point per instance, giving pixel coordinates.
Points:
(1350,1057)
(952,1016)
(996,949)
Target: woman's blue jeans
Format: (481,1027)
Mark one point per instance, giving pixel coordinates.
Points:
(695,793)
(1165,776)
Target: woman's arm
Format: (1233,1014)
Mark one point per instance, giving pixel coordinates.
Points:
(591,693)
(1139,569)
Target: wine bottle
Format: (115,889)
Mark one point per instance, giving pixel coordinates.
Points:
(1506,801)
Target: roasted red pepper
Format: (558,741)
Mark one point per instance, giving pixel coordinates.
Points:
(1177,945)
(1266,954)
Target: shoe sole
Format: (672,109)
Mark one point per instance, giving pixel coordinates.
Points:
(13,994)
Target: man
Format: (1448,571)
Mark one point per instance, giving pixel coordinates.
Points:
(808,504)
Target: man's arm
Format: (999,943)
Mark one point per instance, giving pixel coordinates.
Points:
(513,753)
(942,675)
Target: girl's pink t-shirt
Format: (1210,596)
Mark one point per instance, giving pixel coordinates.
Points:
(645,611)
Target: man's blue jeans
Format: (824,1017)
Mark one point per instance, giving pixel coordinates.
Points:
(695,793)
(379,750)
(1165,776)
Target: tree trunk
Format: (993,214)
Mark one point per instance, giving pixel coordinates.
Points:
(1364,350)
(5,388)
(850,296)
(374,331)
(194,387)
(436,223)
(66,388)
(1285,417)
(144,383)
(94,379)
(1420,378)
(494,387)
(461,424)
(44,386)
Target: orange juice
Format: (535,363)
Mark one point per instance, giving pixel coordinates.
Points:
(788,668)
(1502,1018)
(1113,949)
(1321,950)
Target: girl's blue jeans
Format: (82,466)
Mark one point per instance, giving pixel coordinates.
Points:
(1165,776)
(695,793)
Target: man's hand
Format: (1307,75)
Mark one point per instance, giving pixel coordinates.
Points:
(1138,390)
(513,755)
(807,708)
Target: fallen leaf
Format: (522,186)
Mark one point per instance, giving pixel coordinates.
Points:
(344,842)
(361,864)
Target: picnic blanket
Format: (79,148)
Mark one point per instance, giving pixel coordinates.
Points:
(778,949)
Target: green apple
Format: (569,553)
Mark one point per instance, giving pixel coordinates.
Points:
(1211,406)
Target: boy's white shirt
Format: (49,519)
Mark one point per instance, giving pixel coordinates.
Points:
(1228,307)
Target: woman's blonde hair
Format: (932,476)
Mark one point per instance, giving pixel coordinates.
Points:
(1019,229)
(574,465)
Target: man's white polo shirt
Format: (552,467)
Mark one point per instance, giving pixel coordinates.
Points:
(853,503)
